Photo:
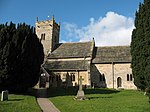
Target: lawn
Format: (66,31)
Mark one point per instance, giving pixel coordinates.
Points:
(19,103)
(100,100)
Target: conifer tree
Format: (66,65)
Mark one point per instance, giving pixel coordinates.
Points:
(140,46)
(21,55)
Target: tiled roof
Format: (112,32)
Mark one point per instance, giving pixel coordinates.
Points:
(67,65)
(112,54)
(72,50)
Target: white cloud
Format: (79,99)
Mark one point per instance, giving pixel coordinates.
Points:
(111,30)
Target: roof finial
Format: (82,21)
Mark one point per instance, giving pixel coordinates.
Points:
(93,38)
(93,41)
(53,18)
(37,19)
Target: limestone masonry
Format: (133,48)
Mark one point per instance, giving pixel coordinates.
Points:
(107,67)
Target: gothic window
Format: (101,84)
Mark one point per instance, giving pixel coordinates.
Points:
(72,76)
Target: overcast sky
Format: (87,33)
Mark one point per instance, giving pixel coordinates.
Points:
(110,22)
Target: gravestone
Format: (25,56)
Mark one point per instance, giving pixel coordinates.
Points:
(80,94)
(4,95)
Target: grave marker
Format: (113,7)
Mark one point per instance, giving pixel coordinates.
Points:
(4,95)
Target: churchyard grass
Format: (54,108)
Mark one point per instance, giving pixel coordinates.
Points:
(100,100)
(20,103)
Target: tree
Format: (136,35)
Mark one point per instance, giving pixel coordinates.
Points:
(140,47)
(21,55)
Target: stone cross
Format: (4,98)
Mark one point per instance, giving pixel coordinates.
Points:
(4,95)
(80,83)
(80,94)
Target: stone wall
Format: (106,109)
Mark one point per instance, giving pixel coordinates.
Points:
(68,78)
(111,73)
(44,28)
(48,33)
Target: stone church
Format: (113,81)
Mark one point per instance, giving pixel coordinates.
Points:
(106,67)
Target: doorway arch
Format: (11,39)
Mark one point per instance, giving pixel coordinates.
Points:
(119,82)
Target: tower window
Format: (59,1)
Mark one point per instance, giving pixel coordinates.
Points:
(43,36)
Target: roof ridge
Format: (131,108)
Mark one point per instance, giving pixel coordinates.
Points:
(112,46)
(76,42)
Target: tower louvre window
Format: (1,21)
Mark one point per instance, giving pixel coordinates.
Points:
(43,36)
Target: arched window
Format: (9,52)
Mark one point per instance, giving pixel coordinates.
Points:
(128,77)
(72,76)
(131,77)
(119,82)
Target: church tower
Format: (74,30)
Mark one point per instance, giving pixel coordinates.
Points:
(48,33)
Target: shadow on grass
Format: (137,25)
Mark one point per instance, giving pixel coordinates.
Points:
(100,91)
(5,103)
(15,99)
(92,98)
(29,92)
(52,92)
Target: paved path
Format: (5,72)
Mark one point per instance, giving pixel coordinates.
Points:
(45,104)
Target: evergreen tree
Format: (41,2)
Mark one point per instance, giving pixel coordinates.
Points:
(21,55)
(140,47)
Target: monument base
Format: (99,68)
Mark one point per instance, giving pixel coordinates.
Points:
(80,95)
